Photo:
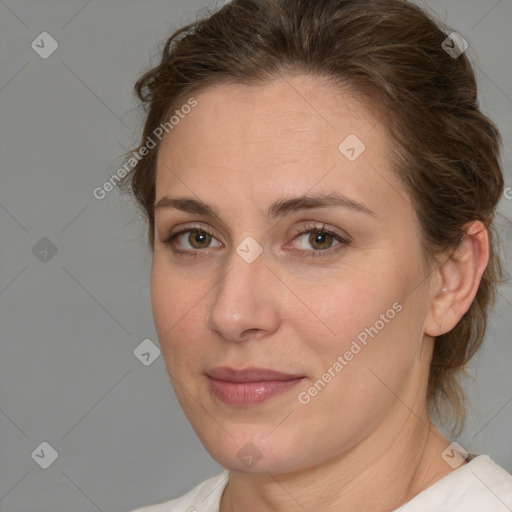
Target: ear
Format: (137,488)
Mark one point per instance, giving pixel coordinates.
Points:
(458,280)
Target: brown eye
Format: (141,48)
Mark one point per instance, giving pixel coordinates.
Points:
(320,240)
(317,241)
(191,240)
(199,239)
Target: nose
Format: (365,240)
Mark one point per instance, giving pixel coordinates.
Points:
(245,303)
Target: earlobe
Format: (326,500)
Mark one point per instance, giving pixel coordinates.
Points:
(460,277)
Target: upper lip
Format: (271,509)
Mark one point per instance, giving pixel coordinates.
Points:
(228,374)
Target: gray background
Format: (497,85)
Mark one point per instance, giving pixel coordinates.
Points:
(69,326)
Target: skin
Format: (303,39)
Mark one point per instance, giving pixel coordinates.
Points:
(364,442)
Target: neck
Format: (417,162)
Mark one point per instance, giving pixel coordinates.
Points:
(381,473)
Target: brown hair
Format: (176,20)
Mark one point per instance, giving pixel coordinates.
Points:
(391,53)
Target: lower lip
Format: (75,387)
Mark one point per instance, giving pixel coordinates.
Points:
(249,393)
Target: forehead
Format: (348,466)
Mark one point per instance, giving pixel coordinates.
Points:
(283,135)
(300,106)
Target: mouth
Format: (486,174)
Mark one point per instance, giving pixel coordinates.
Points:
(249,386)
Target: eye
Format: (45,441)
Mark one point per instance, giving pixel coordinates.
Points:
(190,240)
(322,241)
(314,241)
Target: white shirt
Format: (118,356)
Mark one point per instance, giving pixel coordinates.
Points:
(478,486)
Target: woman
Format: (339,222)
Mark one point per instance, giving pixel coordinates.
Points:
(320,188)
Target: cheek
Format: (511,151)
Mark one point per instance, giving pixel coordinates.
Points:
(179,314)
(377,325)
(343,306)
(369,318)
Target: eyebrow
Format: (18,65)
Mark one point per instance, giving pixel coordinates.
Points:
(277,209)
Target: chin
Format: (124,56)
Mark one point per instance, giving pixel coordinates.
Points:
(254,453)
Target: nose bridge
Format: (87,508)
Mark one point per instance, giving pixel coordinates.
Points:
(243,299)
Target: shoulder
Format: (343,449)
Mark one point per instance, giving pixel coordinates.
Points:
(204,497)
(478,486)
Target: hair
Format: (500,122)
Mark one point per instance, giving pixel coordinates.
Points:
(390,54)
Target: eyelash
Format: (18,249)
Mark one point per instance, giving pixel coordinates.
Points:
(312,228)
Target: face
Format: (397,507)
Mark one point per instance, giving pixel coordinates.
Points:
(282,244)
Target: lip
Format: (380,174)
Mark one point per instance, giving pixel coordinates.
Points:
(228,374)
(249,386)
